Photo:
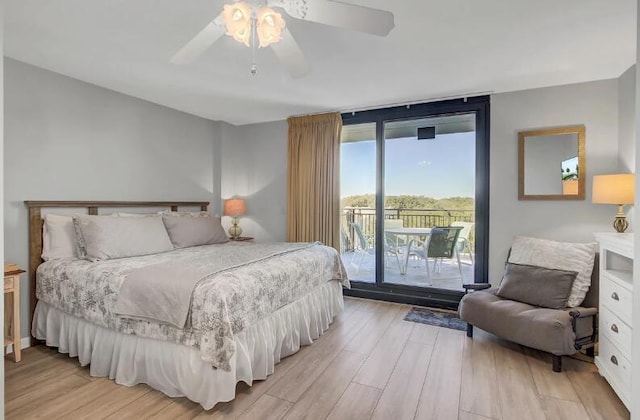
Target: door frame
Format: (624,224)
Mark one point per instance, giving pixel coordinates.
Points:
(415,295)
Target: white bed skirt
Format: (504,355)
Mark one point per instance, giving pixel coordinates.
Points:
(177,370)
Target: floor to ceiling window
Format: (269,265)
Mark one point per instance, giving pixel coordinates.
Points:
(414,200)
(358,200)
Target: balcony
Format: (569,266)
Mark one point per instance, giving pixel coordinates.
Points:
(361,264)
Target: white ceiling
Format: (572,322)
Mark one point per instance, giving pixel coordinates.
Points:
(439,48)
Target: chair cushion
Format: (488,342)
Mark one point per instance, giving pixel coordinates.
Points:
(537,286)
(540,328)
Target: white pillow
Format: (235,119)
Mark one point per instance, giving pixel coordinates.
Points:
(108,237)
(58,237)
(568,256)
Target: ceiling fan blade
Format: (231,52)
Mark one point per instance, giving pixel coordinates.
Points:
(349,16)
(291,56)
(205,38)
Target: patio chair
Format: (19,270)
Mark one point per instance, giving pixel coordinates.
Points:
(441,244)
(393,246)
(360,244)
(393,239)
(463,239)
(343,241)
(364,247)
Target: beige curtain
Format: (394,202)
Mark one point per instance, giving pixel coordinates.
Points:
(313,199)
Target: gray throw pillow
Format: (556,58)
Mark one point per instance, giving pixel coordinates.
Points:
(538,286)
(190,231)
(560,256)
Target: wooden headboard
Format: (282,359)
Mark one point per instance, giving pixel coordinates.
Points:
(36,222)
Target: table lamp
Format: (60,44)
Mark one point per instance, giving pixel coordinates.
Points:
(615,189)
(235,207)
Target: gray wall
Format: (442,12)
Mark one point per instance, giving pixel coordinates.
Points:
(594,105)
(627,120)
(69,140)
(254,167)
(627,128)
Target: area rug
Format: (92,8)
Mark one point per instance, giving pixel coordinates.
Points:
(437,318)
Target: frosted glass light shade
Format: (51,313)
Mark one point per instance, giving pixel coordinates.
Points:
(269,26)
(241,19)
(237,18)
(613,189)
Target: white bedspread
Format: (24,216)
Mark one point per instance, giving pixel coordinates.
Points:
(89,290)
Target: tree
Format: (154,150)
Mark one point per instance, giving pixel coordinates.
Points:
(410,202)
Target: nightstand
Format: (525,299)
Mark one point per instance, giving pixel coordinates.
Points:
(12,314)
(242,239)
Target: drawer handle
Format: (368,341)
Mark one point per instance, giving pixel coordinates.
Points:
(614,328)
(615,296)
(614,360)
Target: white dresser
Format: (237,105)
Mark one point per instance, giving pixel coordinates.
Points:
(615,327)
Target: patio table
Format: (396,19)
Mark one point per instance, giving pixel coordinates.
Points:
(408,232)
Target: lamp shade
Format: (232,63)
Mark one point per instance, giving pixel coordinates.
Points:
(613,189)
(234,207)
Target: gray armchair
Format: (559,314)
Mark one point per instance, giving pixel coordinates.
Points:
(560,332)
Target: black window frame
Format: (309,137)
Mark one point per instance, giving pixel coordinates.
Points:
(415,295)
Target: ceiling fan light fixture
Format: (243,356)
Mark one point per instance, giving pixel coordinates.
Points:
(237,18)
(255,24)
(270,25)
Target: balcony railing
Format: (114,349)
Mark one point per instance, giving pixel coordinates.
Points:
(421,218)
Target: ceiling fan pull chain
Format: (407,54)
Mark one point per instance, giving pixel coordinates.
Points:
(254,66)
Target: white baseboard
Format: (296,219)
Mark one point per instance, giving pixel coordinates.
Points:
(24,343)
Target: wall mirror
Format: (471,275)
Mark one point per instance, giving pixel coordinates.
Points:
(551,164)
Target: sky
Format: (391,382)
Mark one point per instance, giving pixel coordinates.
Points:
(438,168)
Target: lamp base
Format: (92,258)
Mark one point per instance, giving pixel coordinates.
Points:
(235,231)
(620,224)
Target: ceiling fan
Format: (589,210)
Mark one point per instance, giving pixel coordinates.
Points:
(259,25)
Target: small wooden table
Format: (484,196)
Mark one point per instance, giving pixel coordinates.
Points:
(12,285)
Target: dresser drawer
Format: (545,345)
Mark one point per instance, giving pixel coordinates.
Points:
(616,330)
(616,363)
(616,298)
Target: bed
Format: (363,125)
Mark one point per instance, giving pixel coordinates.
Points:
(249,306)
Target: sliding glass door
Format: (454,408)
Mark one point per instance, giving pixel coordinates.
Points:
(414,200)
(429,182)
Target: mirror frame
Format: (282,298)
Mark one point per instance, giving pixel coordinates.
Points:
(582,176)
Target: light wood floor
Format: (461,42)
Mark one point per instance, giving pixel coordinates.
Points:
(369,365)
